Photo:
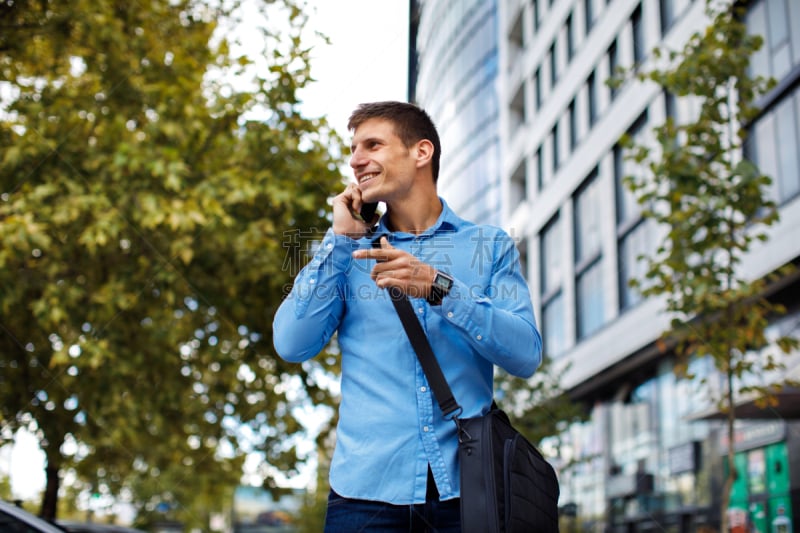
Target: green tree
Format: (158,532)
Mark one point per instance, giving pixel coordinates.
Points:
(5,487)
(713,205)
(148,230)
(311,516)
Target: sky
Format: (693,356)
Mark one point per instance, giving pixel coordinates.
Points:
(366,61)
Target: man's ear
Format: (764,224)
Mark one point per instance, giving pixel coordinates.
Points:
(424,152)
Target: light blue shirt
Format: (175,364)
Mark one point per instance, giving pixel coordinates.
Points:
(390,426)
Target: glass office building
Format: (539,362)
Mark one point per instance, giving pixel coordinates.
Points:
(531,140)
(453,75)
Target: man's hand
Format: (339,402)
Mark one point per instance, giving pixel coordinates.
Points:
(346,220)
(396,268)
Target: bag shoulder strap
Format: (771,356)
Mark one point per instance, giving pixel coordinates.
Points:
(436,379)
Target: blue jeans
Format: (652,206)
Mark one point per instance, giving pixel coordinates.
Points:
(347,515)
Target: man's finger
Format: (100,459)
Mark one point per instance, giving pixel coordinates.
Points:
(378,255)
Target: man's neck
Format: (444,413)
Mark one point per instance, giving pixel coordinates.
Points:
(414,217)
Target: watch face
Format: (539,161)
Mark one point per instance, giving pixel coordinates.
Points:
(442,281)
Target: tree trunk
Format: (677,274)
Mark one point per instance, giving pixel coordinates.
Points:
(50,499)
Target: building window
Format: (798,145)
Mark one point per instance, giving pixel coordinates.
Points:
(613,64)
(638,36)
(772,145)
(516,42)
(540,169)
(522,247)
(777,40)
(670,11)
(573,126)
(781,50)
(537,88)
(588,257)
(633,434)
(519,185)
(636,236)
(553,65)
(553,330)
(667,12)
(591,87)
(554,146)
(671,106)
(589,14)
(589,290)
(570,38)
(535,14)
(553,312)
(628,210)
(633,244)
(517,113)
(587,220)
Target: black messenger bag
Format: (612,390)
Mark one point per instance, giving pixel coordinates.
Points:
(506,484)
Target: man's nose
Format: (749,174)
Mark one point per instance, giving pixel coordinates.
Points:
(357,159)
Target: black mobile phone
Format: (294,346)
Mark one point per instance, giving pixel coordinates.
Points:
(368,211)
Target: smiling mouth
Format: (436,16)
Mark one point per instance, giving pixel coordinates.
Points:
(367,177)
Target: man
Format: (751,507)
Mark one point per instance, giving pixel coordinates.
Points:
(394,467)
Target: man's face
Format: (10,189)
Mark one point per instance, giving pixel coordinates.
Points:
(384,168)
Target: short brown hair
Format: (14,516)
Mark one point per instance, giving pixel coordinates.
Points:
(411,124)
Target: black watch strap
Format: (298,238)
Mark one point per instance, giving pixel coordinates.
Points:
(442,283)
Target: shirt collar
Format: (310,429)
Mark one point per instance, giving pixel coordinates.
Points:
(447,221)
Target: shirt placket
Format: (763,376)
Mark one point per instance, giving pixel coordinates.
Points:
(425,400)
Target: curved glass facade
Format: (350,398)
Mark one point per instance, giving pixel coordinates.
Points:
(456,45)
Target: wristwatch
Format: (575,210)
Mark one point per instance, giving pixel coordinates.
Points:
(442,283)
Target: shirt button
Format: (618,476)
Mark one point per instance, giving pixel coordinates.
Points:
(312,281)
(423,389)
(450,314)
(420,310)
(425,429)
(479,337)
(329,246)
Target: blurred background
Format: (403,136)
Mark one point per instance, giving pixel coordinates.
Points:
(166,169)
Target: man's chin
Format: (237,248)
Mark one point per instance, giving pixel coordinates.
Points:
(369,197)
